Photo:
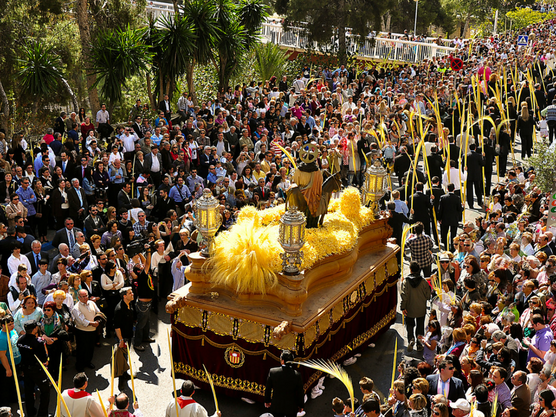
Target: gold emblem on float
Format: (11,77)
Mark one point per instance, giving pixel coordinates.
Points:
(234,357)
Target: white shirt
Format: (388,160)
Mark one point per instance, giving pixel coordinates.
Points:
(129,142)
(14,262)
(65,204)
(107,283)
(84,314)
(454,178)
(155,166)
(103,116)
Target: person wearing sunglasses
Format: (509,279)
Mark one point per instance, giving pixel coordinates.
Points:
(445,383)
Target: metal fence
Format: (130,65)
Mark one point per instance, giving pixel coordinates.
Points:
(393,48)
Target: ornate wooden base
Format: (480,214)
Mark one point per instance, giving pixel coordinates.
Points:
(331,312)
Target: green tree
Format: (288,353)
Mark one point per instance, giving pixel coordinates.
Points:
(524,17)
(429,12)
(239,25)
(325,21)
(117,56)
(270,60)
(544,163)
(200,15)
(40,75)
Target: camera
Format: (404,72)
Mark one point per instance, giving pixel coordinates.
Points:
(26,293)
(139,246)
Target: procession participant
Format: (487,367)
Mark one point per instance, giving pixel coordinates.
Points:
(80,403)
(188,407)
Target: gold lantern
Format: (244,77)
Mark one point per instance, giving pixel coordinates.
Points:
(376,184)
(207,219)
(292,238)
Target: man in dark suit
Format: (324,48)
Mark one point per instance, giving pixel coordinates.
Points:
(262,191)
(64,235)
(284,388)
(445,383)
(435,162)
(136,126)
(402,162)
(6,246)
(164,106)
(454,150)
(449,214)
(124,200)
(78,206)
(521,396)
(94,223)
(80,171)
(68,167)
(474,168)
(60,124)
(35,256)
(420,207)
(437,192)
(156,167)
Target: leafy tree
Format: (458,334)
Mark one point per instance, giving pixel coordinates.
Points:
(200,15)
(270,60)
(117,56)
(328,20)
(524,17)
(39,73)
(94,16)
(239,25)
(429,12)
(544,163)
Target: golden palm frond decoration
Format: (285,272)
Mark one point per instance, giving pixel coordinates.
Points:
(335,370)
(209,377)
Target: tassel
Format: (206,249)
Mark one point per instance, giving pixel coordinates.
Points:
(203,341)
(264,356)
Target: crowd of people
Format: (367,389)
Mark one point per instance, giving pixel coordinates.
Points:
(98,218)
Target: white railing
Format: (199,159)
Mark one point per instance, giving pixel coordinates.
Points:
(394,48)
(158,9)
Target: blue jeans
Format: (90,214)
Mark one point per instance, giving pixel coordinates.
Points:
(143,321)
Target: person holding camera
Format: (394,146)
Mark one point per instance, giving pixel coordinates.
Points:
(17,294)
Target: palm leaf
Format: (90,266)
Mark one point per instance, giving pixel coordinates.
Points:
(335,370)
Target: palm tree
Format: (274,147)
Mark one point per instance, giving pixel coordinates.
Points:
(270,60)
(239,24)
(201,16)
(175,41)
(39,73)
(116,56)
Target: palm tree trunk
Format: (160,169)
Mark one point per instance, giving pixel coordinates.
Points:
(81,13)
(71,93)
(341,13)
(5,111)
(190,84)
(150,92)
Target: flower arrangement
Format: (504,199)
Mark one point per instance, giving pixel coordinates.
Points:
(247,257)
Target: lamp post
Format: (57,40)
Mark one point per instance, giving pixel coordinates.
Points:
(415,24)
(291,237)
(207,219)
(375,186)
